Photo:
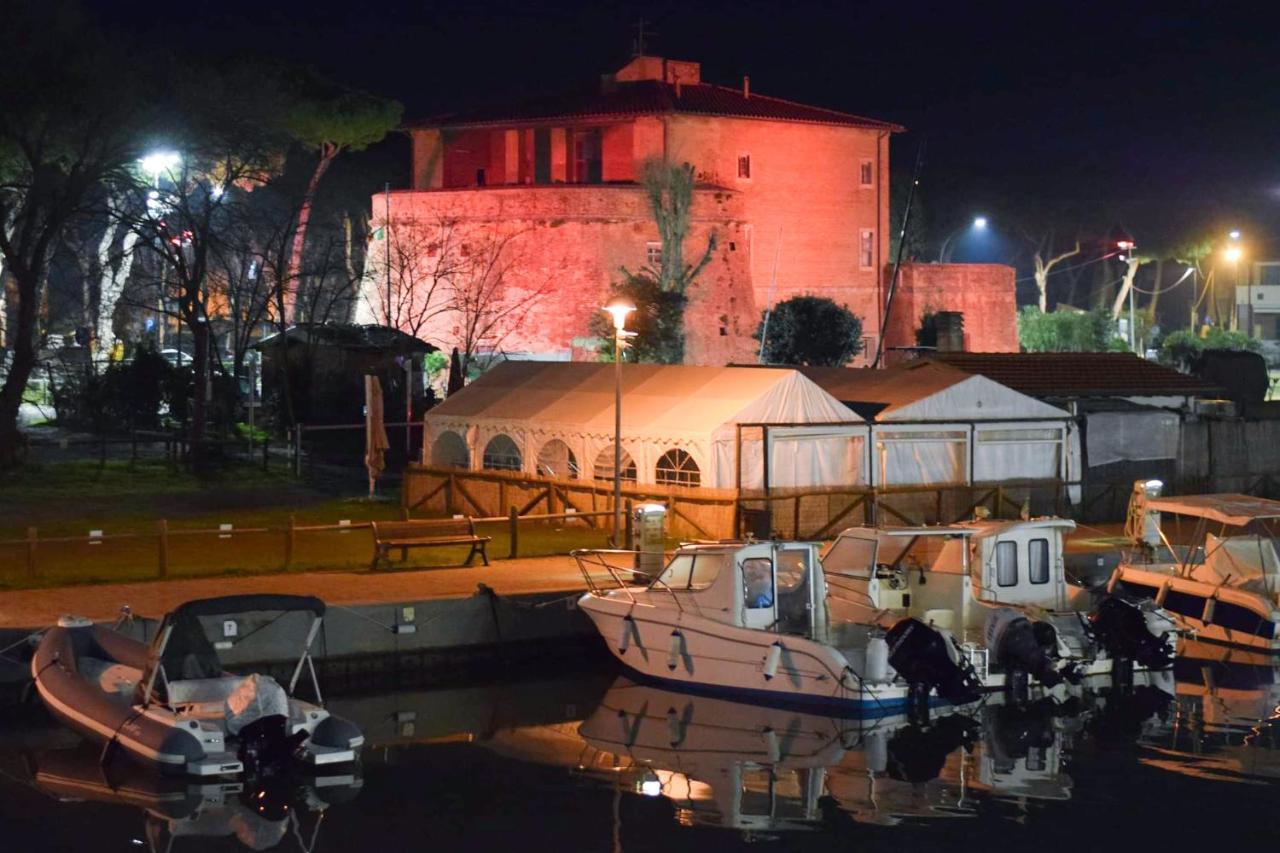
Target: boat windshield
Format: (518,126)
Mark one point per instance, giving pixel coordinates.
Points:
(851,555)
(693,570)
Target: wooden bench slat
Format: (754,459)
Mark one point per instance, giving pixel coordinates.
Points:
(427,533)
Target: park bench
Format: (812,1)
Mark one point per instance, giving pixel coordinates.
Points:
(426,533)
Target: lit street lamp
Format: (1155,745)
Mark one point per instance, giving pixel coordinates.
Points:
(979,224)
(618,309)
(1233,254)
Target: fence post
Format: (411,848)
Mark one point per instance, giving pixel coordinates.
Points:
(629,540)
(162,532)
(289,536)
(297,450)
(514,518)
(31,552)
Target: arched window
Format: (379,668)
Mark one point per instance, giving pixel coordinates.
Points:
(677,468)
(555,459)
(603,469)
(501,454)
(450,451)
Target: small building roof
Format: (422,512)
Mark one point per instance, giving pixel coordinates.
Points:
(1080,374)
(652,97)
(927,391)
(348,336)
(658,400)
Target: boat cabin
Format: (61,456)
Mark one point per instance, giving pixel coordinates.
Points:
(773,586)
(947,576)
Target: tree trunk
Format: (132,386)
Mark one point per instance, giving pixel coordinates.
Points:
(24,361)
(292,281)
(114,278)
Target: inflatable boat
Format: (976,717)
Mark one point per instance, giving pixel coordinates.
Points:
(173,705)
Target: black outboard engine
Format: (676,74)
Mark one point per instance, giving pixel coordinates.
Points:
(266,746)
(920,655)
(1017,644)
(1122,630)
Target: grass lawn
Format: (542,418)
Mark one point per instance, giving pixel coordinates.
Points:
(68,499)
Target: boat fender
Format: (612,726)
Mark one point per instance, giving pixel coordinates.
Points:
(675,650)
(771,661)
(771,747)
(675,728)
(1115,579)
(1210,605)
(1162,594)
(877,659)
(628,626)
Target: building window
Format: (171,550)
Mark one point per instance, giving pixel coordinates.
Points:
(744,166)
(450,451)
(653,255)
(501,454)
(866,174)
(604,466)
(867,249)
(677,468)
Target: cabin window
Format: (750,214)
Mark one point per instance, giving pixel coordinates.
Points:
(692,571)
(501,454)
(1007,563)
(450,451)
(1038,560)
(677,468)
(793,568)
(757,581)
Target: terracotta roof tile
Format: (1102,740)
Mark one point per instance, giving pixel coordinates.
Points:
(653,97)
(1080,374)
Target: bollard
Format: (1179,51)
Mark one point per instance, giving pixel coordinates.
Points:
(514,518)
(162,532)
(31,552)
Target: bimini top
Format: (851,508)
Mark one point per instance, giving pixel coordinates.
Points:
(229,604)
(1230,508)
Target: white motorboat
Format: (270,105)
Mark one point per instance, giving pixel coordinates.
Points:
(173,705)
(1209,560)
(867,627)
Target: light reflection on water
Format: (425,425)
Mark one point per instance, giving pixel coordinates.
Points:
(586,762)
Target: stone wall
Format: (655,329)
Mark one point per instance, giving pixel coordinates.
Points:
(983,293)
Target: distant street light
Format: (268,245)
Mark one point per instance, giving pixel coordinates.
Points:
(618,309)
(1233,254)
(979,224)
(158,163)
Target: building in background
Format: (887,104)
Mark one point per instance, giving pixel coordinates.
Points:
(519,219)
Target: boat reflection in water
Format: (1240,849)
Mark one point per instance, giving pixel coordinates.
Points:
(1225,723)
(259,814)
(763,770)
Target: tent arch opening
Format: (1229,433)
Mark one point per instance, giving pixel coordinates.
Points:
(502,454)
(450,451)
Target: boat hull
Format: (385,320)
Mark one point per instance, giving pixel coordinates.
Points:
(1237,618)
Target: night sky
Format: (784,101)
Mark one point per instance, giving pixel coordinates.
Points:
(1160,119)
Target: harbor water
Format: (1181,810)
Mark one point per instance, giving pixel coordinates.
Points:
(580,758)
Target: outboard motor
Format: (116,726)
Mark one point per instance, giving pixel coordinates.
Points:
(1018,645)
(1122,630)
(922,657)
(266,746)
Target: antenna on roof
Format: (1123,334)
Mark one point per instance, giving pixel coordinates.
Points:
(640,44)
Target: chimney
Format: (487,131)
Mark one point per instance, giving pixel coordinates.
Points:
(746,86)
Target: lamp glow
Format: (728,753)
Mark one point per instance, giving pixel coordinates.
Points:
(619,309)
(159,162)
(1233,253)
(1234,235)
(980,222)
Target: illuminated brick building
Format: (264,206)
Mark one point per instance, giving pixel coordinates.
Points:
(796,195)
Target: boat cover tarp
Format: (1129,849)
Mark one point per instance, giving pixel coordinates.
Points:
(189,653)
(1248,562)
(1234,509)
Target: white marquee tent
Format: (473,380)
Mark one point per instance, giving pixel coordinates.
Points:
(680,425)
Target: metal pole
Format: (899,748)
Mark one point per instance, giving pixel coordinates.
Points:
(617,435)
(408,409)
(386,237)
(1133,346)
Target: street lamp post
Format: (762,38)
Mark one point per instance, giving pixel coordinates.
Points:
(618,309)
(979,224)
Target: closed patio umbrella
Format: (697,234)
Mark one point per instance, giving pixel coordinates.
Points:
(375,431)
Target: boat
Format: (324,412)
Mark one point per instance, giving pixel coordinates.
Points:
(867,625)
(1209,560)
(172,704)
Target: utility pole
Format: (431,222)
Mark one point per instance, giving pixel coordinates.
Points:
(386,239)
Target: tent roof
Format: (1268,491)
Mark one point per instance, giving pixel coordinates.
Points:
(657,399)
(926,390)
(1234,509)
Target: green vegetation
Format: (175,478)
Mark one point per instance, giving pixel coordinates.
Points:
(658,322)
(810,330)
(1180,348)
(1067,330)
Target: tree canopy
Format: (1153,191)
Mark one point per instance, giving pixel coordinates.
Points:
(810,330)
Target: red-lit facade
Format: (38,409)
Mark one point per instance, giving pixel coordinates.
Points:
(796,196)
